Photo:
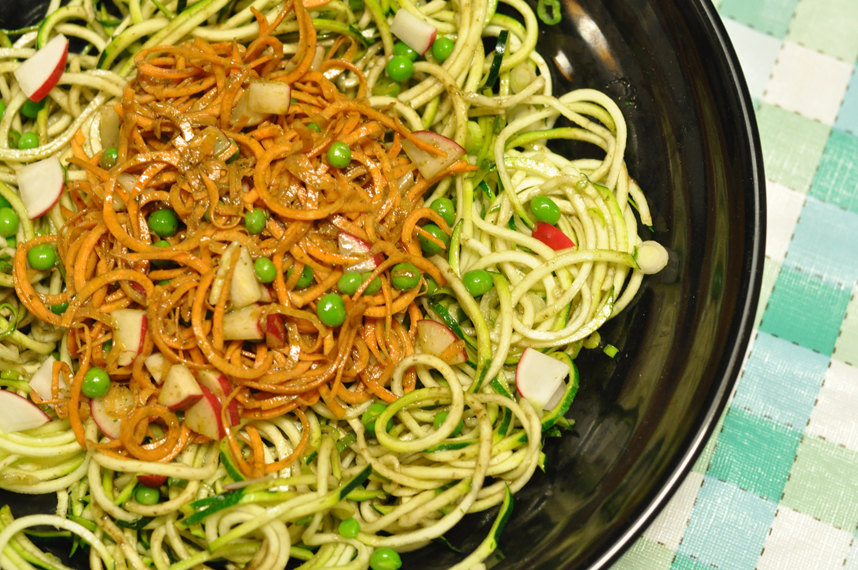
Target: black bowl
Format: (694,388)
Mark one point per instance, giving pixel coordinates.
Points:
(643,417)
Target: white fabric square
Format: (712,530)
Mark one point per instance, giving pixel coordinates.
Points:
(783,207)
(800,541)
(757,53)
(833,417)
(668,527)
(808,82)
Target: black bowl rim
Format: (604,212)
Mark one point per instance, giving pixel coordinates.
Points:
(754,190)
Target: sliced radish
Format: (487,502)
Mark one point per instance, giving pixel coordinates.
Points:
(204,416)
(180,390)
(151,481)
(108,425)
(651,257)
(42,379)
(40,185)
(129,334)
(539,378)
(41,72)
(429,164)
(244,289)
(436,338)
(244,324)
(413,31)
(220,386)
(19,413)
(551,236)
(353,246)
(240,110)
(275,331)
(271,97)
(158,366)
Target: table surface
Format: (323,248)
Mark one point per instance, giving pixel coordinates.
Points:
(777,486)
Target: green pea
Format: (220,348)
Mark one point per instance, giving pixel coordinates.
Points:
(164,222)
(442,48)
(109,156)
(265,270)
(339,155)
(331,310)
(106,346)
(430,247)
(42,257)
(305,279)
(8,222)
(5,266)
(161,262)
(30,108)
(400,68)
(404,276)
(385,559)
(386,87)
(96,383)
(10,375)
(206,216)
(28,141)
(349,283)
(164,282)
(374,286)
(314,127)
(441,417)
(4,203)
(60,308)
(478,282)
(11,242)
(349,528)
(368,417)
(403,49)
(446,209)
(146,496)
(545,210)
(255,220)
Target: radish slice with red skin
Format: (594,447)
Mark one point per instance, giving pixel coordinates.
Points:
(414,32)
(551,236)
(435,338)
(43,378)
(109,426)
(353,246)
(41,71)
(40,186)
(539,378)
(19,413)
(430,165)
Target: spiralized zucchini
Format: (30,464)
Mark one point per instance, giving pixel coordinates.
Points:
(463,440)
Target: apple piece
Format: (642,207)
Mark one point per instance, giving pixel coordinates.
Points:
(413,31)
(354,246)
(244,324)
(129,334)
(241,110)
(435,338)
(19,413)
(180,390)
(219,385)
(275,331)
(244,289)
(551,236)
(108,425)
(539,378)
(430,165)
(158,366)
(270,97)
(40,185)
(41,72)
(204,416)
(42,379)
(152,481)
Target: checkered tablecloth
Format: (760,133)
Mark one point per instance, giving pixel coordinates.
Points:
(777,486)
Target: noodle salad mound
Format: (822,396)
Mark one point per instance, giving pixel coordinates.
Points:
(289,283)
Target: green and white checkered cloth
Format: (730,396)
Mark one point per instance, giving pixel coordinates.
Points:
(777,487)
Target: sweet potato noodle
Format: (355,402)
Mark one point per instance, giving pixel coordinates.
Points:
(177,115)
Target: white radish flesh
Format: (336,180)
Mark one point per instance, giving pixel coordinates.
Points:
(429,164)
(413,31)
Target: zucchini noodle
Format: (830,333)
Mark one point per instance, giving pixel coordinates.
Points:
(275,315)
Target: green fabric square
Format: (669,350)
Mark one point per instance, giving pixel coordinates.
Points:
(827,26)
(846,348)
(823,483)
(770,16)
(645,555)
(837,176)
(792,146)
(754,454)
(682,562)
(702,463)
(771,269)
(805,310)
